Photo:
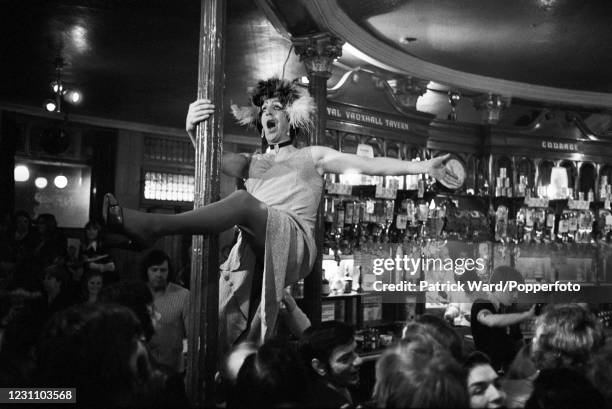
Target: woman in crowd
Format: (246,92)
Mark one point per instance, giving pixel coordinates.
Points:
(276,213)
(92,283)
(94,253)
(567,336)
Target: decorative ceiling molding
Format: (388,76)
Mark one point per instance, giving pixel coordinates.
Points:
(329,14)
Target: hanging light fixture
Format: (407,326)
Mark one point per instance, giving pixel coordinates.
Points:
(60,91)
(453,100)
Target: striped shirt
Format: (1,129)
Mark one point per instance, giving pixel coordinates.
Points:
(166,346)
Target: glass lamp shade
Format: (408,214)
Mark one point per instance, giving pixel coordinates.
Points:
(559,180)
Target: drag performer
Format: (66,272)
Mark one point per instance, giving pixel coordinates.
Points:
(276,214)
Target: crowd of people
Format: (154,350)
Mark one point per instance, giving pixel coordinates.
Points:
(121,344)
(67,319)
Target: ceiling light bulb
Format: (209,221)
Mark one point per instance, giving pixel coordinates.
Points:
(21,173)
(74,96)
(40,182)
(50,105)
(60,181)
(57,87)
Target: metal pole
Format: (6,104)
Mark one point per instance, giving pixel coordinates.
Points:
(204,301)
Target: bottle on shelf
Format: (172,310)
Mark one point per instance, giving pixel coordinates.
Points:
(529,224)
(501,223)
(572,226)
(563,229)
(520,224)
(539,216)
(585,226)
(549,235)
(325,290)
(420,188)
(348,281)
(591,195)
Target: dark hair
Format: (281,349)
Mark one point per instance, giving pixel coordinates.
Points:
(135,295)
(21,213)
(89,347)
(155,257)
(470,276)
(284,90)
(93,224)
(418,373)
(57,271)
(319,341)
(442,332)
(600,373)
(522,366)
(503,274)
(475,359)
(48,219)
(567,335)
(562,388)
(272,377)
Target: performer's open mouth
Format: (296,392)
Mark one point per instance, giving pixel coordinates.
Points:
(271,125)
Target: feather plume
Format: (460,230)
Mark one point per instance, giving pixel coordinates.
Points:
(297,102)
(300,111)
(246,115)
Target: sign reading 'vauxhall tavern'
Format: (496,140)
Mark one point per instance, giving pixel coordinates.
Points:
(367,118)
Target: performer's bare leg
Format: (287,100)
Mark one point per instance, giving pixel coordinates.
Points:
(239,208)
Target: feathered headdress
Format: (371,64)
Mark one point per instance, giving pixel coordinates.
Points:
(298,103)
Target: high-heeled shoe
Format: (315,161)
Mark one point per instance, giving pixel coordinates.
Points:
(112,215)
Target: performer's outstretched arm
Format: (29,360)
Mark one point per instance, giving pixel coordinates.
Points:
(330,160)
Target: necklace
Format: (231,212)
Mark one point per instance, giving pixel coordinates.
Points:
(276,146)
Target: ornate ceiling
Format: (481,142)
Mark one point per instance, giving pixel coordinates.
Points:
(136,60)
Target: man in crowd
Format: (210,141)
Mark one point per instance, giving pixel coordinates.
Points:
(172,303)
(494,326)
(328,350)
(483,383)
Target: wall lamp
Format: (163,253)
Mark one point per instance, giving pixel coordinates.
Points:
(60,92)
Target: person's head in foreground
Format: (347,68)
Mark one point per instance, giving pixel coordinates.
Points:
(97,349)
(135,295)
(273,377)
(600,374)
(419,373)
(563,388)
(483,383)
(329,350)
(230,367)
(566,335)
(442,332)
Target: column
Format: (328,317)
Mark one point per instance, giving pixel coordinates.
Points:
(317,52)
(204,286)
(409,89)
